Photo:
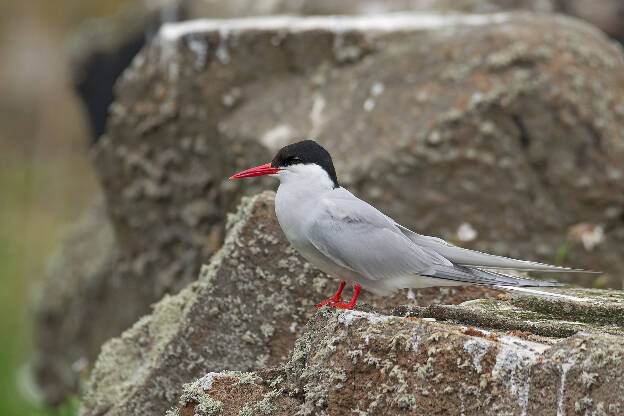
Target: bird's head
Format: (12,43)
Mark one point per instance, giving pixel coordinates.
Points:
(302,161)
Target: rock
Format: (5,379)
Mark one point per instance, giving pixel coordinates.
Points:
(458,107)
(237,393)
(244,312)
(438,120)
(91,292)
(436,360)
(68,306)
(102,49)
(73,309)
(606,15)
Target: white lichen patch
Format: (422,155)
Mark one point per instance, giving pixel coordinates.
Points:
(222,52)
(317,120)
(207,406)
(199,46)
(466,232)
(267,330)
(477,348)
(565,367)
(512,368)
(416,338)
(277,136)
(346,317)
(205,383)
(384,23)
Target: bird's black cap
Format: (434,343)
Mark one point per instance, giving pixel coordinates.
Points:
(306,151)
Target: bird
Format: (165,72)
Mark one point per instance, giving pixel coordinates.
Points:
(351,240)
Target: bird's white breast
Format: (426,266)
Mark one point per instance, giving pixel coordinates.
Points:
(296,203)
(301,188)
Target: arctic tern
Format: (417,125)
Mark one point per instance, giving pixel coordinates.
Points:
(349,239)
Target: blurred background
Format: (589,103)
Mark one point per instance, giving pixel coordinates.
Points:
(46,179)
(46,176)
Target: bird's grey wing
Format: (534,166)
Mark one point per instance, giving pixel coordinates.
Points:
(477,276)
(466,257)
(356,236)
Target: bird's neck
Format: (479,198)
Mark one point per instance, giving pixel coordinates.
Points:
(299,192)
(305,180)
(297,196)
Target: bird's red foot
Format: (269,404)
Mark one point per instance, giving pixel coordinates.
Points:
(336,298)
(351,304)
(342,305)
(331,300)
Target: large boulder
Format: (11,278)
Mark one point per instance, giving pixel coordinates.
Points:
(244,312)
(69,305)
(101,49)
(608,15)
(443,122)
(477,128)
(436,360)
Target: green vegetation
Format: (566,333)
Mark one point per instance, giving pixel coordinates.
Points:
(562,253)
(45,180)
(69,408)
(42,192)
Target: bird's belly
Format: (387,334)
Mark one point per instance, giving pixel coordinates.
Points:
(322,262)
(288,210)
(382,287)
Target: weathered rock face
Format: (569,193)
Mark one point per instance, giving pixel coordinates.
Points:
(69,306)
(605,14)
(608,15)
(244,312)
(458,126)
(91,294)
(426,361)
(426,116)
(103,48)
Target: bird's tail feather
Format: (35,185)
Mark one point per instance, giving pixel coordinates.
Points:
(477,276)
(540,293)
(501,281)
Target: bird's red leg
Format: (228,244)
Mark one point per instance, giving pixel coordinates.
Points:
(336,298)
(351,304)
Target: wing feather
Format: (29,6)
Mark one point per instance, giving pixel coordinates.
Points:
(356,236)
(467,257)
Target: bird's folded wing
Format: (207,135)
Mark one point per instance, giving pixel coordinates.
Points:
(485,277)
(466,257)
(356,236)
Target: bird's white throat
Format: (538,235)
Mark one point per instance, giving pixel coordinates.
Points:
(304,179)
(300,187)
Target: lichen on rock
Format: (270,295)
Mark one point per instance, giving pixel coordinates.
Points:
(417,366)
(244,312)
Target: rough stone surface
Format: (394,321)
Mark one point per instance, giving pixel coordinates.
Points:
(102,48)
(69,305)
(457,107)
(244,312)
(608,15)
(449,124)
(367,363)
(91,292)
(604,14)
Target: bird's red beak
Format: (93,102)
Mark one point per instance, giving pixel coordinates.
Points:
(257,171)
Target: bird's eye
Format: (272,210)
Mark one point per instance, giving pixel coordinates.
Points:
(293,159)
